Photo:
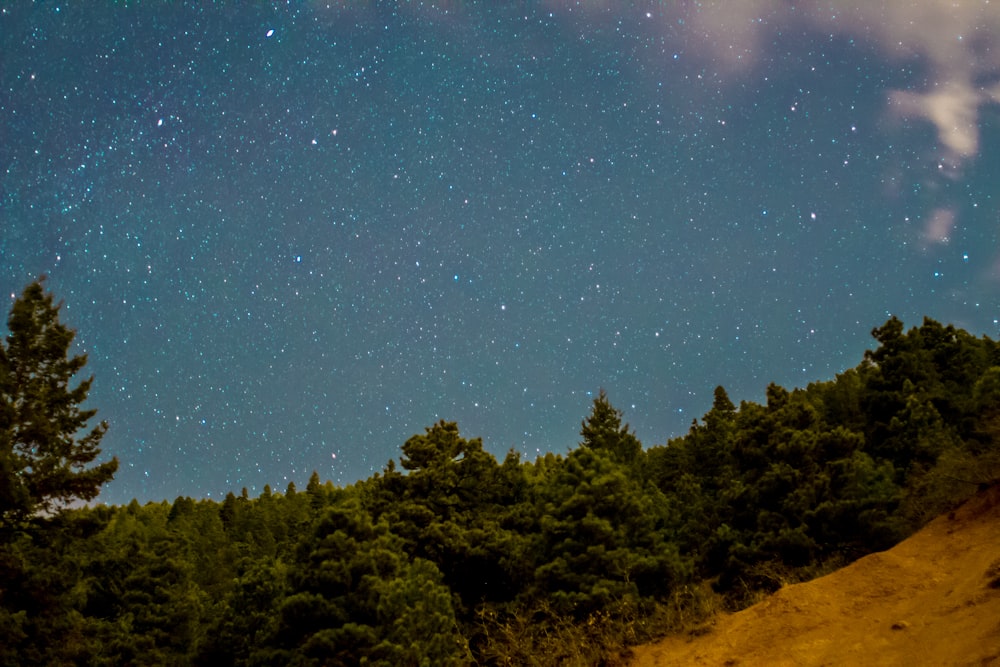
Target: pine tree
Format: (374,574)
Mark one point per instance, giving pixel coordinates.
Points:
(44,451)
(603,430)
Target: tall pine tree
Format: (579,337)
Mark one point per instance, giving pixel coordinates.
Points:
(45,447)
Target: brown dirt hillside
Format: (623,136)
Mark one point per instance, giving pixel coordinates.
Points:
(933,599)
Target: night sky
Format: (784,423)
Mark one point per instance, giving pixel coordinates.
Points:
(290,237)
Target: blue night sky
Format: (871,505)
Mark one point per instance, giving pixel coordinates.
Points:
(290,237)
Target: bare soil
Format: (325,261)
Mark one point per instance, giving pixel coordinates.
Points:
(933,599)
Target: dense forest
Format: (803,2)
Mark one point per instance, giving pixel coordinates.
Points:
(449,556)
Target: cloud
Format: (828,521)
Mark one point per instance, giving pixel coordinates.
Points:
(953,109)
(940,224)
(958,42)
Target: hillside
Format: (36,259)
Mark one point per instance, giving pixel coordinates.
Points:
(453,557)
(934,599)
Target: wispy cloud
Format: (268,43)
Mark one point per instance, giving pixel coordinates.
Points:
(958,42)
(939,225)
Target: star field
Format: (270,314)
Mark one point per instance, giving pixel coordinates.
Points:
(291,237)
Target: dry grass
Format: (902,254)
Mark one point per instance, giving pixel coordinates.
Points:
(932,599)
(541,637)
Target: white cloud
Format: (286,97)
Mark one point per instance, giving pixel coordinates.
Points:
(957,42)
(953,109)
(940,224)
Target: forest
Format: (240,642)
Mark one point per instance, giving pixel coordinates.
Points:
(450,556)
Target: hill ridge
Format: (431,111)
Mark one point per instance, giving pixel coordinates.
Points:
(933,599)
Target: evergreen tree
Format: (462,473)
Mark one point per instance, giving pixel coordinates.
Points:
(603,430)
(43,455)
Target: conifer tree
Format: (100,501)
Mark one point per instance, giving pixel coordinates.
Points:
(45,449)
(603,430)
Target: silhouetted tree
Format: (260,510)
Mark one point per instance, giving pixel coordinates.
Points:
(43,456)
(603,430)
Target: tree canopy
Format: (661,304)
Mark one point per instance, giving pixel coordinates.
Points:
(453,557)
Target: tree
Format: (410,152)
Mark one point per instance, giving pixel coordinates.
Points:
(601,540)
(603,430)
(356,597)
(44,451)
(455,508)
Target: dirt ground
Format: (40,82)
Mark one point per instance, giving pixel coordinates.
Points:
(933,599)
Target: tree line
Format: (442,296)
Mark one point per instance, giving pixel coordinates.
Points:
(451,556)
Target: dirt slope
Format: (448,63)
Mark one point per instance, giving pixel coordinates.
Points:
(931,600)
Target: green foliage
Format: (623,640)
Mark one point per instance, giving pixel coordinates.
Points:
(456,558)
(602,538)
(43,457)
(603,431)
(457,507)
(357,598)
